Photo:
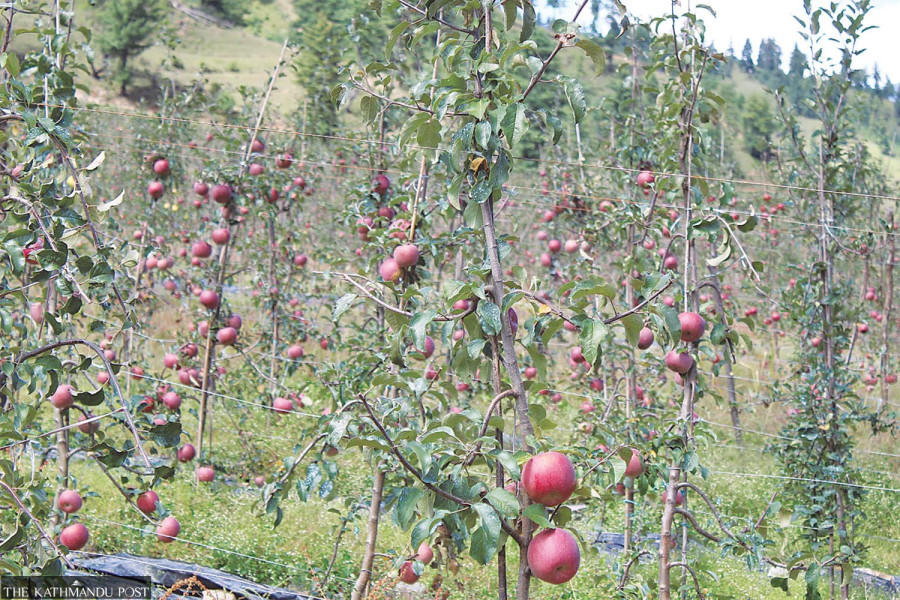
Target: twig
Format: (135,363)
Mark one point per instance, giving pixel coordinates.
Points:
(415,473)
(112,376)
(628,566)
(37,524)
(560,43)
(685,566)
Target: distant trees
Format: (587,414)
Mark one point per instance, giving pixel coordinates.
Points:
(127,28)
(747,57)
(798,64)
(231,10)
(759,126)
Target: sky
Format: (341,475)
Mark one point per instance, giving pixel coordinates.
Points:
(738,20)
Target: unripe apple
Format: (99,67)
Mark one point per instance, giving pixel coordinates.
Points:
(74,537)
(692,326)
(186,453)
(549,478)
(680,362)
(69,501)
(554,556)
(406,255)
(205,474)
(146,502)
(62,397)
(168,530)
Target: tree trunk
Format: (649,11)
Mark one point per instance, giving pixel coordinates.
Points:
(365,571)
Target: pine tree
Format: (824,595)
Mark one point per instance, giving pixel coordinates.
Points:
(747,57)
(128,27)
(798,64)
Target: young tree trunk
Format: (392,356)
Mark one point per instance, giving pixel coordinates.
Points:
(888,307)
(365,571)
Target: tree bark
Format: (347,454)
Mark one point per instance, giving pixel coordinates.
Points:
(365,571)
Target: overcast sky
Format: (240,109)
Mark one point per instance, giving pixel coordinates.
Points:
(738,20)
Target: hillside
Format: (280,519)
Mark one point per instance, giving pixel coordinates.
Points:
(244,55)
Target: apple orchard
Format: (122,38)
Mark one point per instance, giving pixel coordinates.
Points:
(458,338)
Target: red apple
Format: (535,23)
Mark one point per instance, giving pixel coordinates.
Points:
(155,189)
(425,553)
(170,360)
(530,372)
(220,236)
(209,299)
(186,453)
(300,260)
(635,467)
(171,400)
(554,556)
(549,478)
(226,336)
(282,405)
(428,350)
(645,338)
(389,270)
(406,255)
(201,189)
(221,193)
(161,167)
(645,178)
(205,474)
(74,537)
(680,362)
(407,574)
(295,351)
(168,530)
(692,326)
(381,184)
(92,427)
(69,501)
(147,502)
(62,397)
